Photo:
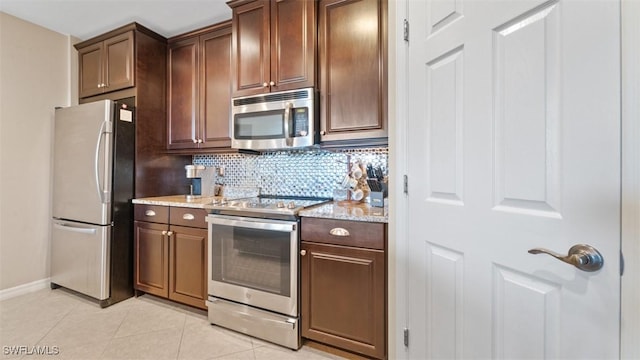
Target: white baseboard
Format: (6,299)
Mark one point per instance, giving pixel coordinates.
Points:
(24,289)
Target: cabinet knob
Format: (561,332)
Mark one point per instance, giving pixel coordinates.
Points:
(323,132)
(169,233)
(303,252)
(195,141)
(272,83)
(199,141)
(164,232)
(265,84)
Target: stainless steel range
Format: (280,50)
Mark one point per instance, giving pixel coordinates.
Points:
(253,266)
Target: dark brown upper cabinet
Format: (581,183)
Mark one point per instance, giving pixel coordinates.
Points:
(106,65)
(199,89)
(274,45)
(352,45)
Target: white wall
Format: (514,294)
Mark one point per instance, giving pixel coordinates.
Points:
(35,70)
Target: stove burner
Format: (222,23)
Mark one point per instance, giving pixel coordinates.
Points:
(265,205)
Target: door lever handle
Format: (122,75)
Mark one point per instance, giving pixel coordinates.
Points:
(584,257)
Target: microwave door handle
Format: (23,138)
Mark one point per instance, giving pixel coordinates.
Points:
(287,119)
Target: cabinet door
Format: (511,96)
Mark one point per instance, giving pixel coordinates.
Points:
(343,297)
(353,84)
(215,89)
(90,66)
(118,66)
(250,48)
(293,44)
(183,94)
(188,266)
(151,253)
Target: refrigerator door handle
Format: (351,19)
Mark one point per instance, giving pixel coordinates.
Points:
(66,227)
(104,198)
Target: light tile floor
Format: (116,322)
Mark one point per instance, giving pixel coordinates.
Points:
(68,326)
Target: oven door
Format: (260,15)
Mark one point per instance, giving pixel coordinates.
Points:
(254,262)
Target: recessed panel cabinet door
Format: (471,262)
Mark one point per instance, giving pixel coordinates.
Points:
(151,264)
(119,65)
(90,59)
(183,94)
(215,85)
(293,44)
(343,297)
(188,265)
(251,57)
(353,75)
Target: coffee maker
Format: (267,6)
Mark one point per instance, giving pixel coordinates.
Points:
(202,181)
(194,172)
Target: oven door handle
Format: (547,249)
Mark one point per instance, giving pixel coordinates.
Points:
(261,225)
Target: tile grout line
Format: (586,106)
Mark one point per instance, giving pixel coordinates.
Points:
(115,333)
(184,325)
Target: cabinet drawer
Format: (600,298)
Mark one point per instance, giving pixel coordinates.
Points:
(343,232)
(188,217)
(151,213)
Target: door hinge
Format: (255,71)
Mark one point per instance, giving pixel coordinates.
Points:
(406,337)
(406,184)
(406,30)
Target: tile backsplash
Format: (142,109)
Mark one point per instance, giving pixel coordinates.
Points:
(313,172)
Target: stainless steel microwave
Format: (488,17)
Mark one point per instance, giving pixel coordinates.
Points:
(278,120)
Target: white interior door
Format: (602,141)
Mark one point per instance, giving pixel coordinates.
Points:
(513,144)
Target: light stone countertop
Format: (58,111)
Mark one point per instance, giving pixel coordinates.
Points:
(340,210)
(178,201)
(348,210)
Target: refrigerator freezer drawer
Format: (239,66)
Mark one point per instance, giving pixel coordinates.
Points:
(80,257)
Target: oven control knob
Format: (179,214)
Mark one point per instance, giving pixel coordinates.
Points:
(291,205)
(280,204)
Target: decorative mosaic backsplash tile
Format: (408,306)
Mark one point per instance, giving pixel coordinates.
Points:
(313,172)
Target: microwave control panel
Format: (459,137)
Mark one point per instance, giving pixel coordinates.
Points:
(300,122)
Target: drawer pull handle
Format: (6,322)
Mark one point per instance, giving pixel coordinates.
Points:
(339,232)
(188,216)
(150,213)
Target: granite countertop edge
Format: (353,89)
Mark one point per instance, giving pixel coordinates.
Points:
(338,210)
(176,200)
(348,211)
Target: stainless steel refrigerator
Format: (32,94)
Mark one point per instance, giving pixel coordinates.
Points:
(93,184)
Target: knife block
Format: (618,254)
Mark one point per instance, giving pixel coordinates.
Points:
(376,198)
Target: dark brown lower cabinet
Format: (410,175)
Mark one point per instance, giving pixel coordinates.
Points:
(151,258)
(171,258)
(188,266)
(343,290)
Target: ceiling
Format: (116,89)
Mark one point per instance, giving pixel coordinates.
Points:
(87,18)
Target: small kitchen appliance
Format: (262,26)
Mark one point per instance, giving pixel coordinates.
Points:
(254,266)
(202,181)
(278,120)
